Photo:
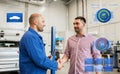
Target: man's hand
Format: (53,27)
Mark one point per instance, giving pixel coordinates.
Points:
(97,73)
(62,61)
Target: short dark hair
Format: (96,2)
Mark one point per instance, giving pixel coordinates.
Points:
(81,18)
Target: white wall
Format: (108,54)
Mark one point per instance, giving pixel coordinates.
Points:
(10,29)
(74,9)
(72,13)
(53,12)
(110,29)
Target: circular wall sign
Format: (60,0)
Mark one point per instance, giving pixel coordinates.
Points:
(102,44)
(103,15)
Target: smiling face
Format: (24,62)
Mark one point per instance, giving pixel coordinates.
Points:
(79,25)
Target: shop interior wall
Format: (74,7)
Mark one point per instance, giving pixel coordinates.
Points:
(88,9)
(109,29)
(54,14)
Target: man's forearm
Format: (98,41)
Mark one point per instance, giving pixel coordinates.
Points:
(97,73)
(64,59)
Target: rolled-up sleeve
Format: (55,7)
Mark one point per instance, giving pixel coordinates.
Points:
(95,52)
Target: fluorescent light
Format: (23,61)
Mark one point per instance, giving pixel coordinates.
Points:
(54,0)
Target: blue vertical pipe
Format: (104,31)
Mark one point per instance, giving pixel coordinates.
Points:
(53,43)
(115,56)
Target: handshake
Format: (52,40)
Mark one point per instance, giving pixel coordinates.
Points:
(60,64)
(59,61)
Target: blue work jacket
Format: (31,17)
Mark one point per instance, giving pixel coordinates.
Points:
(32,58)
